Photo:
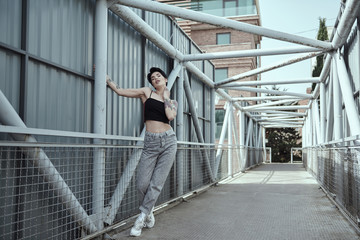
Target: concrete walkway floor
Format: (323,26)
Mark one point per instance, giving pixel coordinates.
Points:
(272,201)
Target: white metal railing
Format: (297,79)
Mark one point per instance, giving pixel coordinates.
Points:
(56,200)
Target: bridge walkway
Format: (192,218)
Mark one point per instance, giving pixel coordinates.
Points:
(272,201)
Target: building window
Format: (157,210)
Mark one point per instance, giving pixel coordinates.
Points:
(225,8)
(230,8)
(223,38)
(221,74)
(219,120)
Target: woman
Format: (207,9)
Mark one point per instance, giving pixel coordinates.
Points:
(160,143)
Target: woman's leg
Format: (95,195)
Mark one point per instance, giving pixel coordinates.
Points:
(162,168)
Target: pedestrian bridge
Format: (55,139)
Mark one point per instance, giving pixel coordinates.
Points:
(271,201)
(69,147)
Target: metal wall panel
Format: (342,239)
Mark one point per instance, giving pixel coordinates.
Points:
(10,76)
(180,40)
(57,100)
(154,57)
(124,115)
(58,94)
(10,22)
(61,32)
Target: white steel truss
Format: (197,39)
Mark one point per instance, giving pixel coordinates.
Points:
(322,121)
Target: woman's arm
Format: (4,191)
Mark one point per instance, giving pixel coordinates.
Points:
(131,93)
(170,106)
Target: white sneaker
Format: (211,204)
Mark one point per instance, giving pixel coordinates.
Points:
(138,225)
(150,220)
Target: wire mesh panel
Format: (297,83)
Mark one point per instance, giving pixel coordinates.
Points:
(337,170)
(48,189)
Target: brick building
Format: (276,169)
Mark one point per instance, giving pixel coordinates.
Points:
(217,39)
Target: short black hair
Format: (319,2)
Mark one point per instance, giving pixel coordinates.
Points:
(155,69)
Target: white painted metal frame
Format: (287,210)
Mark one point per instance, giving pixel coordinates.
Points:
(316,123)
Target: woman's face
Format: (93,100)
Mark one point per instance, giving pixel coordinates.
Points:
(158,80)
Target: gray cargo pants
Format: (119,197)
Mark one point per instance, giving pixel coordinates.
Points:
(154,166)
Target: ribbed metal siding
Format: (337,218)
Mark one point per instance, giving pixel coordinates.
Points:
(124,115)
(57,100)
(10,28)
(154,57)
(10,77)
(61,32)
(59,87)
(10,22)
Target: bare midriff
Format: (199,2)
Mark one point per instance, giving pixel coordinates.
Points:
(156,126)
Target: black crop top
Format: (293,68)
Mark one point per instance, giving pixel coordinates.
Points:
(154,110)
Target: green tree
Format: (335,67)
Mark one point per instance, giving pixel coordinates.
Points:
(281,140)
(323,36)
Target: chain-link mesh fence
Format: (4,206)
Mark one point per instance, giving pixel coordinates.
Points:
(337,170)
(47,190)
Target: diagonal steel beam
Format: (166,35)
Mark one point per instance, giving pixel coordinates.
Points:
(249,53)
(161,8)
(267,68)
(270,91)
(8,116)
(274,82)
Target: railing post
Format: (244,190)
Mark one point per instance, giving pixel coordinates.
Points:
(322,112)
(230,169)
(242,139)
(180,133)
(338,128)
(99,108)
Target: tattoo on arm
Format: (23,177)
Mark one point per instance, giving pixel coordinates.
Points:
(172,104)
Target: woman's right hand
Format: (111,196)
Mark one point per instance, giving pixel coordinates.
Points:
(108,80)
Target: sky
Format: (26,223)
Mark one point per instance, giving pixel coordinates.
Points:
(299,17)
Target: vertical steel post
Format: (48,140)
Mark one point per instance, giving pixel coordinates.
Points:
(315,110)
(322,112)
(248,140)
(99,108)
(195,119)
(212,129)
(338,128)
(348,95)
(222,139)
(264,143)
(180,133)
(329,107)
(230,147)
(242,139)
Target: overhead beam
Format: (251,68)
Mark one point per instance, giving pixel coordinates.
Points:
(277,119)
(267,68)
(249,53)
(161,8)
(278,108)
(269,91)
(268,98)
(346,22)
(274,82)
(282,126)
(267,104)
(283,112)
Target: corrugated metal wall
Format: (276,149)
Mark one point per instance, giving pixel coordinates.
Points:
(55,91)
(46,72)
